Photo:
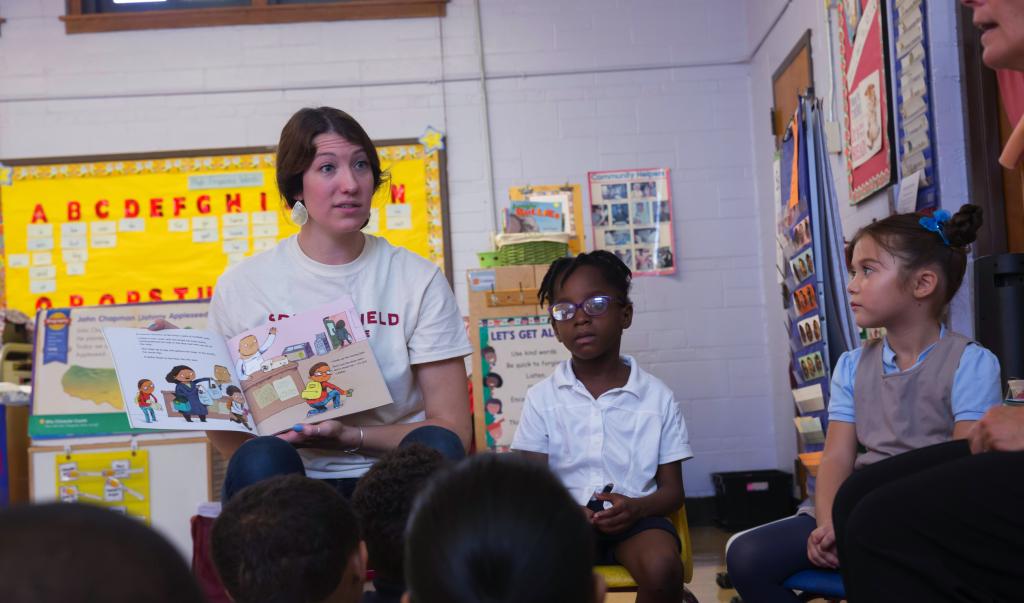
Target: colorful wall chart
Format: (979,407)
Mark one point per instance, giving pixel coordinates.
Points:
(118,481)
(96,231)
(516,353)
(76,392)
(631,214)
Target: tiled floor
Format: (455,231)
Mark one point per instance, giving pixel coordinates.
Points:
(708,560)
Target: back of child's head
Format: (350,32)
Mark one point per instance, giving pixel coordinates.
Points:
(615,273)
(918,242)
(80,553)
(498,528)
(383,499)
(287,539)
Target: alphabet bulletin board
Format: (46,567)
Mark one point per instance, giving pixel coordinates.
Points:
(130,229)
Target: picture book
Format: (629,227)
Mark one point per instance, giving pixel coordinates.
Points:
(535,216)
(307,368)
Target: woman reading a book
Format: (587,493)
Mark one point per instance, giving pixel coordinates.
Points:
(328,171)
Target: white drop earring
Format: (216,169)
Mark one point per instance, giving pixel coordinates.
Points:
(299,214)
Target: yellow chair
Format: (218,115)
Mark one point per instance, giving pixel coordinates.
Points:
(618,577)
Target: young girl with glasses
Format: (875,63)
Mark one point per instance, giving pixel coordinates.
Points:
(612,432)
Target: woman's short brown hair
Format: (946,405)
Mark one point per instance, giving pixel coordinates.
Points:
(295,151)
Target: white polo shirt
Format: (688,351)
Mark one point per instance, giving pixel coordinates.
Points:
(619,438)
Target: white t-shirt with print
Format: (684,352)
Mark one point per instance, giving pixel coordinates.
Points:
(620,438)
(408,310)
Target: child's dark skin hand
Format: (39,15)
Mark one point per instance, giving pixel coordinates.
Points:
(621,515)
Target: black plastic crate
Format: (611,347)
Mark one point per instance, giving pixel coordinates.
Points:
(744,499)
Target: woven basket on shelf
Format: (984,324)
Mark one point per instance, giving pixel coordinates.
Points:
(531,248)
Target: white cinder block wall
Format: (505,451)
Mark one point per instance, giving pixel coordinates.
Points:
(574,85)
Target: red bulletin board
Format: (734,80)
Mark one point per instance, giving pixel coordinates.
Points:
(868,123)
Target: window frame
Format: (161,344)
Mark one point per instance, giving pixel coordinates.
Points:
(260,12)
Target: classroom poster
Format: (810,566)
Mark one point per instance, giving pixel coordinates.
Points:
(516,353)
(569,196)
(160,229)
(118,481)
(631,216)
(868,123)
(76,389)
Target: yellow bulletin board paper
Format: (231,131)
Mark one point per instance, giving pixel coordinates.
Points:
(118,481)
(130,229)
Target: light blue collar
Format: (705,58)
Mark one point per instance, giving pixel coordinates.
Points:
(889,356)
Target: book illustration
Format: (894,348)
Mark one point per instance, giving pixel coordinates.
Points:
(146,400)
(250,353)
(309,367)
(238,409)
(319,392)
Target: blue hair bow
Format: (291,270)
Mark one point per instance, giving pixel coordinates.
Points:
(936,222)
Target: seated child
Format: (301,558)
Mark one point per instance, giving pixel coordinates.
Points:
(920,385)
(77,553)
(600,420)
(500,529)
(382,501)
(289,539)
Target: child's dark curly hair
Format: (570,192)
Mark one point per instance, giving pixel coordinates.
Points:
(383,499)
(915,246)
(287,538)
(617,274)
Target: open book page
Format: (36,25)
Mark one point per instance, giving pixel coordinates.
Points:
(178,379)
(309,367)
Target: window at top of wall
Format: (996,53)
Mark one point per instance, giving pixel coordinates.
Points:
(99,7)
(91,16)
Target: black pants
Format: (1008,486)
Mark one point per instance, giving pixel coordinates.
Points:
(934,524)
(761,559)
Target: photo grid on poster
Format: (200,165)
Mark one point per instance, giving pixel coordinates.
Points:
(631,215)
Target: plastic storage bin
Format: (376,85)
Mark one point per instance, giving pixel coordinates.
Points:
(744,499)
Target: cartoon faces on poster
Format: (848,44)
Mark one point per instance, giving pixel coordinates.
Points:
(493,420)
